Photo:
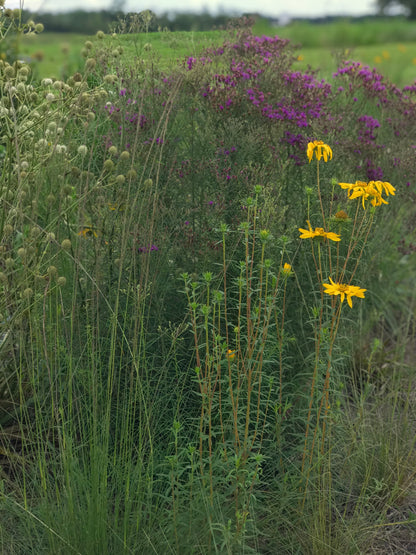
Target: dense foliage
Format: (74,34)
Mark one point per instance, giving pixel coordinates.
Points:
(206,278)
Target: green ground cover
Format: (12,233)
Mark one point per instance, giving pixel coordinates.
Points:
(59,54)
(207,302)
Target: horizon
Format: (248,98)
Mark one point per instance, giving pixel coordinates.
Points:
(310,9)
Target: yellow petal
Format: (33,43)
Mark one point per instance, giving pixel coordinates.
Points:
(305,234)
(333,236)
(309,151)
(329,151)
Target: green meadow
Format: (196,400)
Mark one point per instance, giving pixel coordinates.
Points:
(388,45)
(207,308)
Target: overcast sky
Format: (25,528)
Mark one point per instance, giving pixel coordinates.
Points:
(308,8)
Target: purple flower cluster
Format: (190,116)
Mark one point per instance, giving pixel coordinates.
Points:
(365,77)
(367,125)
(148,248)
(258,108)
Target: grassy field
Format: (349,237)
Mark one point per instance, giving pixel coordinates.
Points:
(58,54)
(397,61)
(390,47)
(207,301)
(344,33)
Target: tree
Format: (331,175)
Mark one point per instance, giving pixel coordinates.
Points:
(410,6)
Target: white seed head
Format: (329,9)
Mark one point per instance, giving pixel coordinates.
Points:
(83,150)
(60,149)
(42,143)
(110,78)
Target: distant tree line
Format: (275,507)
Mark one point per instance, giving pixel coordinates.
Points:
(89,22)
(408,5)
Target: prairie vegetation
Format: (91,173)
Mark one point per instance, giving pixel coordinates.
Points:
(207,301)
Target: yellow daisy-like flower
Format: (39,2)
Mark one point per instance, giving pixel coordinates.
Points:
(88,231)
(318,232)
(344,290)
(321,151)
(371,191)
(230,354)
(287,269)
(115,206)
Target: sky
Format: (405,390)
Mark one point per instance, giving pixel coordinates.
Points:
(274,8)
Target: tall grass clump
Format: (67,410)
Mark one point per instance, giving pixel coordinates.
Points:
(206,299)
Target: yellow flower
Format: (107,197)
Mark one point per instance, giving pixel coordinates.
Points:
(88,231)
(114,206)
(319,232)
(369,191)
(287,269)
(321,150)
(384,186)
(344,290)
(230,354)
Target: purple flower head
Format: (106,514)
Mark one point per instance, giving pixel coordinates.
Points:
(149,248)
(190,62)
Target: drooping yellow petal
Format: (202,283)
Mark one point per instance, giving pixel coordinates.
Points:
(384,186)
(309,151)
(329,150)
(346,185)
(333,236)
